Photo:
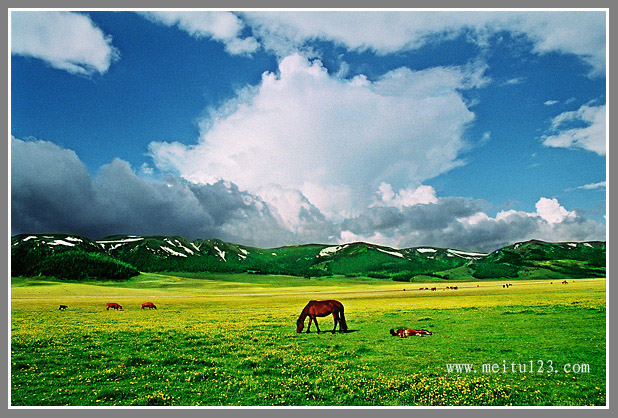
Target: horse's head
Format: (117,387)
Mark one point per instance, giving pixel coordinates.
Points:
(393,333)
(299,326)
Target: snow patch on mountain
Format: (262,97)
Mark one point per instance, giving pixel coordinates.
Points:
(328,251)
(120,240)
(396,254)
(221,253)
(169,250)
(465,254)
(61,242)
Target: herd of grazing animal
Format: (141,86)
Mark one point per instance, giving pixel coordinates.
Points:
(115,306)
(321,308)
(433,289)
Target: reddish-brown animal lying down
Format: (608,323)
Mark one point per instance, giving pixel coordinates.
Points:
(113,306)
(149,305)
(408,332)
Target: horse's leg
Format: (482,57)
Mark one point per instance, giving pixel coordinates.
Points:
(309,326)
(315,319)
(336,319)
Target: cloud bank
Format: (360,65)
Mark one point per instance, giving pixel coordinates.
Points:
(52,191)
(65,40)
(578,33)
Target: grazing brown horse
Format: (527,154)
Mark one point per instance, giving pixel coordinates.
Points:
(408,332)
(62,307)
(113,306)
(148,305)
(321,308)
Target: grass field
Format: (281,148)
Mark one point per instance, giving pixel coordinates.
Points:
(231,340)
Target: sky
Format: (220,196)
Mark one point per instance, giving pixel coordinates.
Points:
(462,129)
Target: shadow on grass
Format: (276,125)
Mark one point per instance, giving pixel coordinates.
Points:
(330,332)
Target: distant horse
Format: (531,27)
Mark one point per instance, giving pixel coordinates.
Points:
(408,332)
(62,307)
(113,306)
(316,308)
(148,305)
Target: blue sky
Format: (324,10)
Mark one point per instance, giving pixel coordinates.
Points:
(462,129)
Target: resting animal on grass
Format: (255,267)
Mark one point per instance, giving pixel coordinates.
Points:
(409,332)
(62,307)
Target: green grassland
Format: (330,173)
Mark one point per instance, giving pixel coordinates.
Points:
(230,339)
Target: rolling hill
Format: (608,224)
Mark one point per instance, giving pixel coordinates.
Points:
(122,256)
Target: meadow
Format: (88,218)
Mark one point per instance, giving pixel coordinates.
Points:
(230,339)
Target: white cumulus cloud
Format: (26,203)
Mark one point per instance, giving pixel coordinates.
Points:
(333,139)
(222,26)
(591,136)
(552,211)
(409,196)
(65,40)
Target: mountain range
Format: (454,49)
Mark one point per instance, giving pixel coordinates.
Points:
(122,256)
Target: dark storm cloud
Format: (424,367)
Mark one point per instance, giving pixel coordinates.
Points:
(50,188)
(51,191)
(422,217)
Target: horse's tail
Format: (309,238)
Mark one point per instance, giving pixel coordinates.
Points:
(343,326)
